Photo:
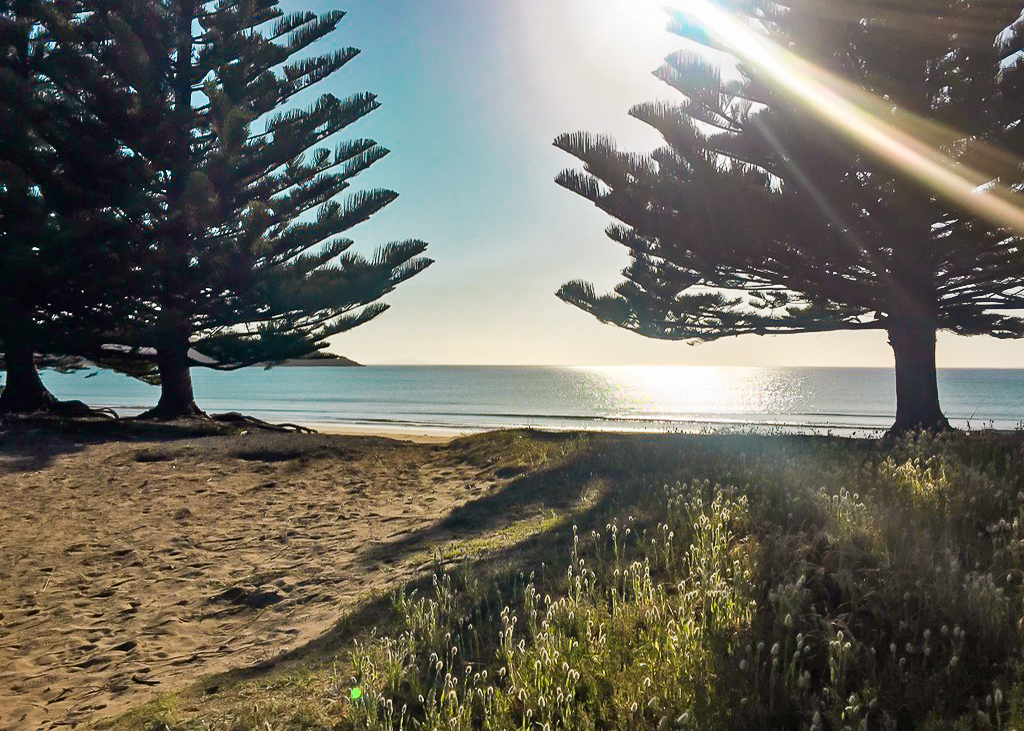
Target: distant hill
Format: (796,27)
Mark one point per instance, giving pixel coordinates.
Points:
(69,363)
(322,359)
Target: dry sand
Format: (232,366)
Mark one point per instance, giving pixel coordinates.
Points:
(130,567)
(417,435)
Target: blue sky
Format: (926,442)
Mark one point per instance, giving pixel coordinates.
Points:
(473,92)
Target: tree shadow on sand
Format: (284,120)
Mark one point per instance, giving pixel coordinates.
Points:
(32,443)
(380,612)
(601,460)
(603,479)
(557,487)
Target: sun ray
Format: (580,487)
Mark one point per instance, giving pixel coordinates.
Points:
(909,141)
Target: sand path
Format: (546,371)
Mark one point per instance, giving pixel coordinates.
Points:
(129,568)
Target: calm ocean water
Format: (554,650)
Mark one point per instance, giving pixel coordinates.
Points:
(642,398)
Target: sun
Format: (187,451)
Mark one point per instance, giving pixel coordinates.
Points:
(639,28)
(650,10)
(644,19)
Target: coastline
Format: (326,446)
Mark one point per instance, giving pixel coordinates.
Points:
(448,401)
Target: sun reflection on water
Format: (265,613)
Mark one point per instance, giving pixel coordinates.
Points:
(690,390)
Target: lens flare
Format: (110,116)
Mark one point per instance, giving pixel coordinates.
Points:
(905,140)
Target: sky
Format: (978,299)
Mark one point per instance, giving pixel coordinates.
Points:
(473,93)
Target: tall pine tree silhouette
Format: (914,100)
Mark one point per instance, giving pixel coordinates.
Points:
(247,259)
(68,203)
(793,195)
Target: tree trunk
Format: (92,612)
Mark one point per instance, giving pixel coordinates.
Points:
(23,391)
(917,388)
(176,398)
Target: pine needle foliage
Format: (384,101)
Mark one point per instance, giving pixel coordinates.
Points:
(248,259)
(67,205)
(761,213)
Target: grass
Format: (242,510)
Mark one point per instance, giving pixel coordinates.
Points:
(512,452)
(692,582)
(515,532)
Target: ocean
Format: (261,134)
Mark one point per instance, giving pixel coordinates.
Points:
(848,401)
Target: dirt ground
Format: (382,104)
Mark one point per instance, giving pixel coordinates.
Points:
(136,565)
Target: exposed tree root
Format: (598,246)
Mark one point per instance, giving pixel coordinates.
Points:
(161,412)
(64,408)
(79,408)
(235,417)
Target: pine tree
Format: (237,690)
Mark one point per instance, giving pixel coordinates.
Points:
(248,264)
(767,212)
(65,201)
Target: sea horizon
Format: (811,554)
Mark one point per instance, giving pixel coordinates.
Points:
(792,399)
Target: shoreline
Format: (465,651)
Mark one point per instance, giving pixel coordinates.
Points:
(423,434)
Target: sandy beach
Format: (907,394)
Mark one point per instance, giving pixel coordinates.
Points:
(417,435)
(135,565)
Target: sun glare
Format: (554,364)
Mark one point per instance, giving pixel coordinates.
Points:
(908,142)
(642,15)
(687,391)
(640,24)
